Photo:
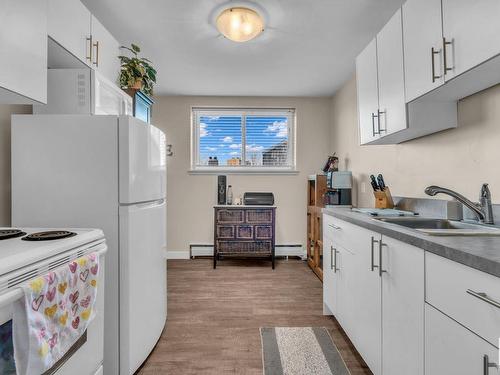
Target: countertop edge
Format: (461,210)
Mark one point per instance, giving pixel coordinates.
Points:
(479,263)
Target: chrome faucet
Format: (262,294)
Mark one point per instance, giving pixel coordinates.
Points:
(483,209)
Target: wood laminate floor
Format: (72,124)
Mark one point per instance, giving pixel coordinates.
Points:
(214,316)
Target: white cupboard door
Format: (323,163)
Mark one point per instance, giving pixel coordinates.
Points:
(105,51)
(142,281)
(367,89)
(422,36)
(342,266)
(359,293)
(391,87)
(473,30)
(452,349)
(23,48)
(69,25)
(329,297)
(402,308)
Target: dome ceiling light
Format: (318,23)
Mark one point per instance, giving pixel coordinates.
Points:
(240,24)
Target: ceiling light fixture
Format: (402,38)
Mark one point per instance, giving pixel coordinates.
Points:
(240,24)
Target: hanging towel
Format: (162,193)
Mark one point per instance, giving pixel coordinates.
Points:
(55,311)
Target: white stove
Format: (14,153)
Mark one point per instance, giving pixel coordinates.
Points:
(26,253)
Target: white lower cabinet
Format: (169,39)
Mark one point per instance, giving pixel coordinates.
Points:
(381,312)
(329,292)
(403,297)
(452,349)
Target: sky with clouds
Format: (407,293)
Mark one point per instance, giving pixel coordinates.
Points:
(221,136)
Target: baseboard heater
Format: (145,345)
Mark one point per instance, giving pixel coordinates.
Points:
(207,250)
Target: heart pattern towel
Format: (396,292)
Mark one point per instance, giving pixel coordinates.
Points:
(56,310)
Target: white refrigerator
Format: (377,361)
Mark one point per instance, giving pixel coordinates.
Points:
(105,172)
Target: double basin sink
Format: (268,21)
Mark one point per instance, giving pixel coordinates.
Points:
(442,227)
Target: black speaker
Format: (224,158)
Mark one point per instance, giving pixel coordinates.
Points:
(221,189)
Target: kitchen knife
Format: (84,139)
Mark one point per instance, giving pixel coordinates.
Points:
(374,183)
(381,183)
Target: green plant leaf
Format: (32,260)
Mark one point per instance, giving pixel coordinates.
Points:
(135,47)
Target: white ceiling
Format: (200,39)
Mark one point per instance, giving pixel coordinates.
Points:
(307,49)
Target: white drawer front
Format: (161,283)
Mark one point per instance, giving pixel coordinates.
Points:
(450,287)
(452,349)
(342,232)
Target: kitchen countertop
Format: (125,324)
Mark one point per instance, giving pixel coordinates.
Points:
(481,253)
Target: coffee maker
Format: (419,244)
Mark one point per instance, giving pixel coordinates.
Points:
(339,188)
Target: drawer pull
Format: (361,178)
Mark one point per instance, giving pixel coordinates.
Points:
(334,227)
(484,297)
(487,365)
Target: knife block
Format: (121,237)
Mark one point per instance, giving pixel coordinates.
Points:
(383,199)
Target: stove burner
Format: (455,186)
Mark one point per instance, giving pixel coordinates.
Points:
(49,235)
(5,234)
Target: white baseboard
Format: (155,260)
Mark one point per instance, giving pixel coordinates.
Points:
(177,254)
(280,251)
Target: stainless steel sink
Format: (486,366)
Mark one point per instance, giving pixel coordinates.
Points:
(443,227)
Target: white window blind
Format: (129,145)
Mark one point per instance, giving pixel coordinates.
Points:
(243,139)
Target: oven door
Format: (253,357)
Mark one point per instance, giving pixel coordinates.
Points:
(84,358)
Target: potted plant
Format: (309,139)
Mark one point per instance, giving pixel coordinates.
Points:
(136,72)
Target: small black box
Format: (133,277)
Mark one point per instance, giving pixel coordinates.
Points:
(258,199)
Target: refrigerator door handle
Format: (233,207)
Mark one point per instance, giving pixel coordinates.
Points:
(148,204)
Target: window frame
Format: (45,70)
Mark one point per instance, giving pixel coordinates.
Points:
(199,111)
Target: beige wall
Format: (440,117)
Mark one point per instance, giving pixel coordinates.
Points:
(461,158)
(190,198)
(5,112)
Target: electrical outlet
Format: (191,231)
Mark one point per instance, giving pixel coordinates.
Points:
(363,187)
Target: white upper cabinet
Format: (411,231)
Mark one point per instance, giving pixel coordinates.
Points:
(69,25)
(423,40)
(473,30)
(23,48)
(367,88)
(105,51)
(391,83)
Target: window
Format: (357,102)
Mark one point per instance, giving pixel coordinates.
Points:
(245,140)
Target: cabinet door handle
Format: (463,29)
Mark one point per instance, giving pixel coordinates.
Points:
(96,46)
(379,113)
(335,269)
(373,125)
(434,53)
(484,297)
(331,257)
(380,270)
(334,226)
(445,57)
(373,266)
(88,49)
(487,365)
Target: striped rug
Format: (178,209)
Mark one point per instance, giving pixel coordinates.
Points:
(300,351)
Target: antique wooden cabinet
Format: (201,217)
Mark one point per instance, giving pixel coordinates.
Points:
(244,231)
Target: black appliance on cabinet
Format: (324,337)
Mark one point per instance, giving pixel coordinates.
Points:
(339,188)
(221,189)
(258,199)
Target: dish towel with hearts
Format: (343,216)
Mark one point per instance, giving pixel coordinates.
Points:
(56,310)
